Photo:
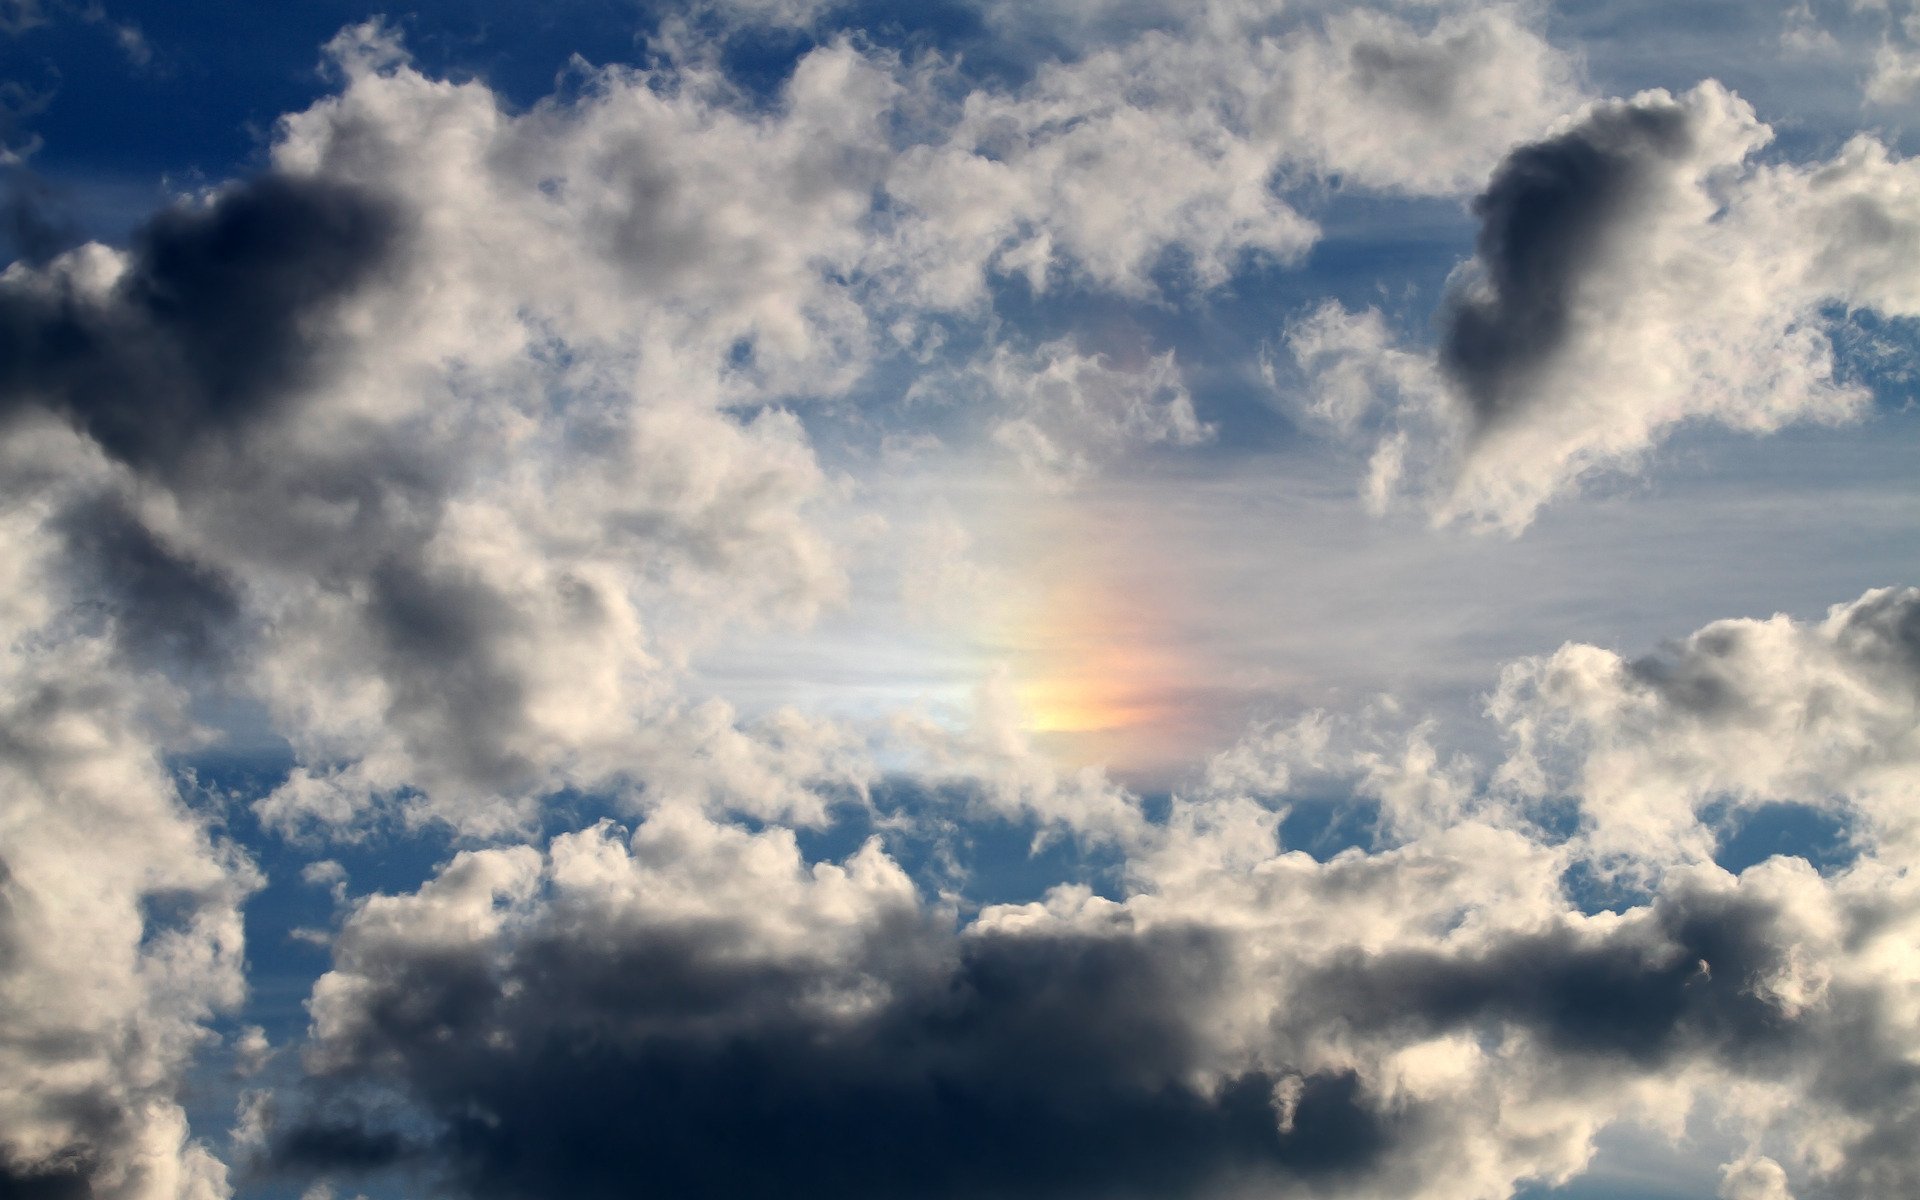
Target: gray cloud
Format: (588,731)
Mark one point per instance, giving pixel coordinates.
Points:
(1884,627)
(217,317)
(1553,211)
(167,608)
(1687,976)
(53,1183)
(604,1063)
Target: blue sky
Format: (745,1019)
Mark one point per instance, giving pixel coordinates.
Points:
(1108,598)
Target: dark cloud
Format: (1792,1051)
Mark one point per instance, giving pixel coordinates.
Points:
(339,1145)
(57,1183)
(1693,978)
(610,1063)
(1883,627)
(1424,75)
(1696,676)
(218,318)
(1552,210)
(166,607)
(1687,977)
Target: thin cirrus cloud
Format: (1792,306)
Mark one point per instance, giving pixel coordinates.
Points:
(831,608)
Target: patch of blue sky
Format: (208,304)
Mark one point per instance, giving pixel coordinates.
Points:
(1810,96)
(952,846)
(1632,1163)
(1325,826)
(1876,352)
(1751,835)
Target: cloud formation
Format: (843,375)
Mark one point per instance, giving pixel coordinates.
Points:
(815,1015)
(1246,1017)
(1635,272)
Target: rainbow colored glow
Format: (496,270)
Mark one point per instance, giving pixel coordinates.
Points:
(1098,664)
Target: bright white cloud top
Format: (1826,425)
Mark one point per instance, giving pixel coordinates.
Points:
(1064,601)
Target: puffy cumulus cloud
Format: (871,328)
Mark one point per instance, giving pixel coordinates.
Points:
(1432,1012)
(1637,270)
(816,1014)
(120,929)
(1434,1020)
(1743,712)
(1174,139)
(657,210)
(453,434)
(429,438)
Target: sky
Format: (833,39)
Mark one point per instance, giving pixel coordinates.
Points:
(1074,600)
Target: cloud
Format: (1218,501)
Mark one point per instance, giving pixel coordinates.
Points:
(214,318)
(814,1014)
(1755,1179)
(1065,414)
(1439,1011)
(1635,271)
(423,535)
(993,755)
(452,436)
(1688,976)
(166,609)
(447,445)
(1743,712)
(1172,148)
(30,221)
(1545,220)
(120,936)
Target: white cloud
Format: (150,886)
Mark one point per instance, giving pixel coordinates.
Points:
(1747,712)
(1063,415)
(120,935)
(513,459)
(994,751)
(1183,140)
(1638,270)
